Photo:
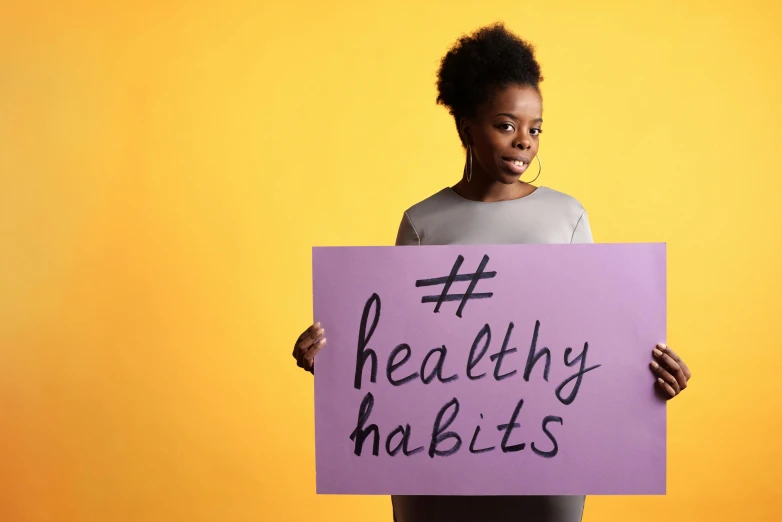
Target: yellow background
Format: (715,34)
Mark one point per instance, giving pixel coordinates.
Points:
(166,167)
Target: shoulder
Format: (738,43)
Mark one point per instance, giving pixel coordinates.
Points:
(417,218)
(431,205)
(570,213)
(560,199)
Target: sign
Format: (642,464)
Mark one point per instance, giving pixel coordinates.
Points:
(489,369)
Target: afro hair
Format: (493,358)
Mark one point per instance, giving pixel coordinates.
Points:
(480,64)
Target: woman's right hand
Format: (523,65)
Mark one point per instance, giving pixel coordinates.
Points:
(307,345)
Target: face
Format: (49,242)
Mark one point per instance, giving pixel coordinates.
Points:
(505,134)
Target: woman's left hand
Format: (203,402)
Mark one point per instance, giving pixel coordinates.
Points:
(671,372)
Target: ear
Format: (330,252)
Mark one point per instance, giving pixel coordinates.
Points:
(464,130)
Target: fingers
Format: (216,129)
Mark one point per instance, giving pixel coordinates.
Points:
(671,372)
(667,389)
(309,333)
(667,378)
(307,345)
(320,343)
(308,361)
(678,359)
(672,363)
(306,340)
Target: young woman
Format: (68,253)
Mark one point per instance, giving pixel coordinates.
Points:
(489,81)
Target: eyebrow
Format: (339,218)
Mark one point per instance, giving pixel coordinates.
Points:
(509,115)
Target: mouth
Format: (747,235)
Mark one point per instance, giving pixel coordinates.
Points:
(517,164)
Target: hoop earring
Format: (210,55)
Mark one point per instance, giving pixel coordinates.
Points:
(540,167)
(468,173)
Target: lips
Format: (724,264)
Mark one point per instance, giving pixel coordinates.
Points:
(517,164)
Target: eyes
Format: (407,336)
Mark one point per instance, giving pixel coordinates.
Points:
(508,127)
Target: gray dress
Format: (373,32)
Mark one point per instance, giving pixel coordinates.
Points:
(446,218)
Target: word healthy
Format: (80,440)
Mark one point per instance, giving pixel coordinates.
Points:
(442,442)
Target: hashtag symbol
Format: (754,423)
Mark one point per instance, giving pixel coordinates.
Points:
(453,277)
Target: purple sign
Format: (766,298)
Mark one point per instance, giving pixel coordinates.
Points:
(490,370)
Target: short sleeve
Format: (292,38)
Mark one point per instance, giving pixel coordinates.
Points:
(583,232)
(407,234)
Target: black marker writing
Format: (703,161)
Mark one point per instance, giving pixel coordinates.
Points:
(548,454)
(509,428)
(363,338)
(360,434)
(403,444)
(577,376)
(475,438)
(444,438)
(393,365)
(533,356)
(472,361)
(440,435)
(453,277)
(502,353)
(438,367)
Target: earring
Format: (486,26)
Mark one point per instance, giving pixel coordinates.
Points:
(468,172)
(540,167)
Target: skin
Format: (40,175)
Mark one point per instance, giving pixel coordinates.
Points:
(507,125)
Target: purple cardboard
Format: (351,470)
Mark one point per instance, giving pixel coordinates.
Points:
(599,309)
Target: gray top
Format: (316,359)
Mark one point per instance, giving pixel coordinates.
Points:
(446,218)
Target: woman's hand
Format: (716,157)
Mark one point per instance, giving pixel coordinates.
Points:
(307,345)
(671,372)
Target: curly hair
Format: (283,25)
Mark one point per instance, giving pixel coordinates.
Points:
(482,63)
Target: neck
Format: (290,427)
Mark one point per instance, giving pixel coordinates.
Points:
(478,190)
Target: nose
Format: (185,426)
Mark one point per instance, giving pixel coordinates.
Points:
(523,140)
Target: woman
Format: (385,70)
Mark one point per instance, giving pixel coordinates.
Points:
(489,81)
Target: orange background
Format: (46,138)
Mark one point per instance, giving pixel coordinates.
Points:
(166,167)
